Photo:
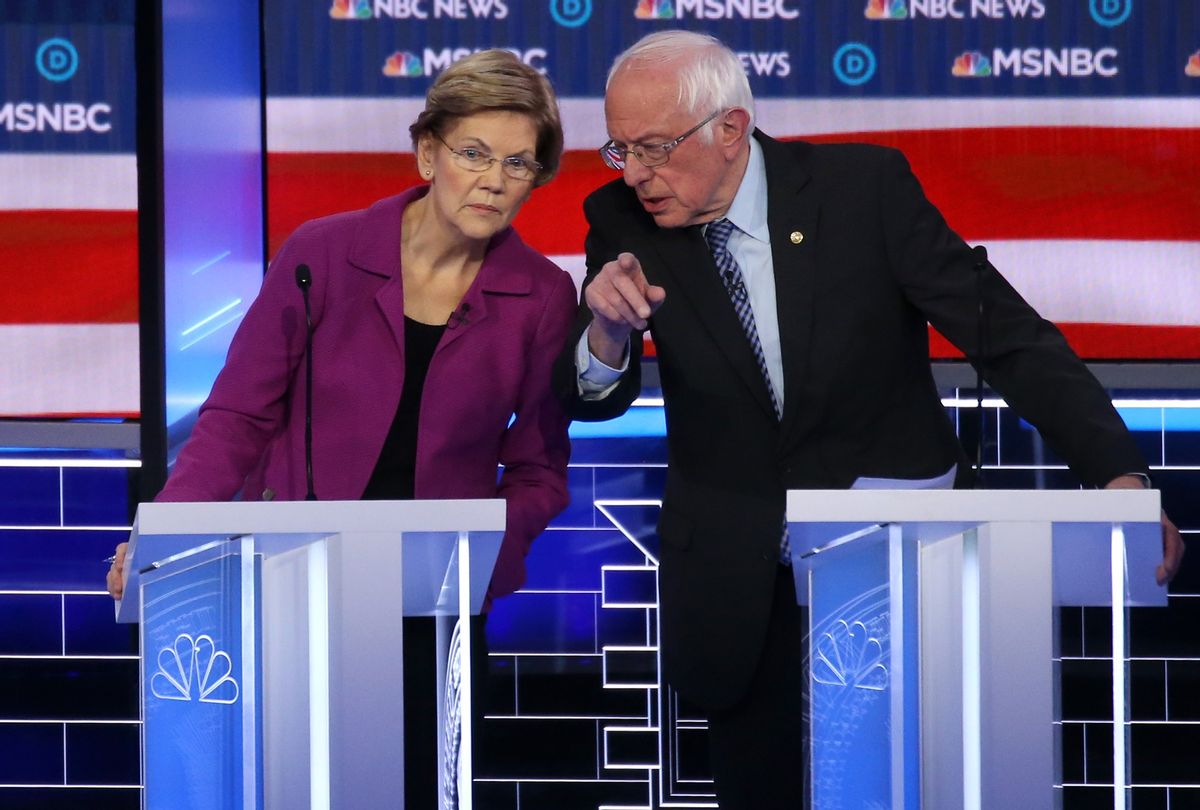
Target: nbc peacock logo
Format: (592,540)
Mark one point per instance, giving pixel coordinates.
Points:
(403,64)
(886,10)
(972,65)
(654,10)
(194,669)
(351,10)
(1192,68)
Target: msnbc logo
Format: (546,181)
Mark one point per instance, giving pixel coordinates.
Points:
(1193,65)
(351,10)
(972,64)
(403,63)
(714,10)
(654,10)
(886,10)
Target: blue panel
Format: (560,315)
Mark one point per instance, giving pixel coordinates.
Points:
(55,560)
(68,689)
(632,627)
(634,423)
(99,754)
(631,587)
(30,624)
(579,512)
(851,684)
(647,450)
(212,191)
(70,799)
(192,686)
(29,496)
(1182,448)
(630,482)
(70,81)
(544,622)
(570,560)
(96,497)
(33,754)
(91,629)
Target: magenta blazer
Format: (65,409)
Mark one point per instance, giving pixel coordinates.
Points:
(487,400)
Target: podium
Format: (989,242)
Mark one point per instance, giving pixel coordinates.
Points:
(933,638)
(272,646)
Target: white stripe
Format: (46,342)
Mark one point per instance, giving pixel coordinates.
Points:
(1100,281)
(76,182)
(64,369)
(1084,280)
(381,124)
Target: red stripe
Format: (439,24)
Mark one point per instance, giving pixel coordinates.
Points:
(1106,341)
(1057,182)
(1001,183)
(69,266)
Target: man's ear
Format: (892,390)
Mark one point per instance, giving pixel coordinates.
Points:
(732,127)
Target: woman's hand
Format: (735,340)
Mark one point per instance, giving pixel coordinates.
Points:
(116,586)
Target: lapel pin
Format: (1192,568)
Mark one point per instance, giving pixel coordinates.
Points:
(797,237)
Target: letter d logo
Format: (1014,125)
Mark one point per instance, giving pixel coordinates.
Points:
(571,13)
(1110,13)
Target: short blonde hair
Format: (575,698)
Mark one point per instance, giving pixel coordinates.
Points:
(494,80)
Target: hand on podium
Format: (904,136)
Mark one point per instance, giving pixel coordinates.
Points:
(116,586)
(1172,540)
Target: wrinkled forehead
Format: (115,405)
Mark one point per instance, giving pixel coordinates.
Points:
(642,105)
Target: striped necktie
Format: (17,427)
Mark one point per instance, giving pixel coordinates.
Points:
(717,235)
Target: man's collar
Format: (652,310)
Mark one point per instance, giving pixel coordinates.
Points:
(749,208)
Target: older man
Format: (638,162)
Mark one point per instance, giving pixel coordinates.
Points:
(787,287)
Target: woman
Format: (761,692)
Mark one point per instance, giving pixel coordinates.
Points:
(428,311)
(435,327)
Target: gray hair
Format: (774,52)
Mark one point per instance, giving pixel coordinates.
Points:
(711,76)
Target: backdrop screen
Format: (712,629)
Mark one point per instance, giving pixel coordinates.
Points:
(68,209)
(1062,134)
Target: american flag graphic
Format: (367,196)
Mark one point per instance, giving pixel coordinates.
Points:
(1090,207)
(1086,191)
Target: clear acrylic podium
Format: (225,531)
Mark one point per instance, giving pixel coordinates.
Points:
(933,636)
(272,647)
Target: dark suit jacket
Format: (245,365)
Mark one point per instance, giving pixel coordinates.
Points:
(876,261)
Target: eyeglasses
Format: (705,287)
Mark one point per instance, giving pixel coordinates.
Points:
(474,159)
(648,154)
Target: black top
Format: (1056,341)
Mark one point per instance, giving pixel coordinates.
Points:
(394,477)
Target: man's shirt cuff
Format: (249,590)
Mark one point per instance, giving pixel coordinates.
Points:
(597,380)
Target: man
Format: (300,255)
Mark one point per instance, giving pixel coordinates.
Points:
(787,287)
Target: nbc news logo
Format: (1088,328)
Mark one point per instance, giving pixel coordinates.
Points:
(954,9)
(418,9)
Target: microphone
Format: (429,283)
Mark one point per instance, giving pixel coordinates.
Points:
(459,316)
(981,263)
(304,281)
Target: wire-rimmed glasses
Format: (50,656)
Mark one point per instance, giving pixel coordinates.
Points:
(474,159)
(648,154)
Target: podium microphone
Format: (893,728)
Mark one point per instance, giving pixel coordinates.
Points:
(304,281)
(981,263)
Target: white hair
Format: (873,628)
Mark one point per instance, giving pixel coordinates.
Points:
(711,77)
